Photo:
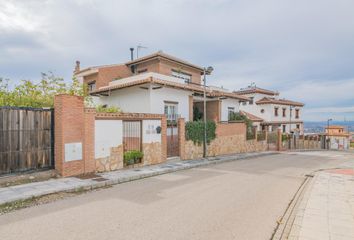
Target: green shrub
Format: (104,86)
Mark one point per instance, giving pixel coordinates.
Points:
(107,109)
(133,156)
(195,131)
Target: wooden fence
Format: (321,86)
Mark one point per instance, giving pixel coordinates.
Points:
(26,139)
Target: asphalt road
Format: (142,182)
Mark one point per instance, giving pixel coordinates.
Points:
(237,200)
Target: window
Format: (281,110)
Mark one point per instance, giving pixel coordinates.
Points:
(284,112)
(297,126)
(185,76)
(262,110)
(230,110)
(284,128)
(171,110)
(244,103)
(91,86)
(276,111)
(251,101)
(297,113)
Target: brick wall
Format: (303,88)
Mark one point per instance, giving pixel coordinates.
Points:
(107,74)
(75,124)
(69,128)
(228,129)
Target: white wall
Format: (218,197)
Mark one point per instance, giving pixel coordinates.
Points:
(108,133)
(137,100)
(134,100)
(149,131)
(158,96)
(225,104)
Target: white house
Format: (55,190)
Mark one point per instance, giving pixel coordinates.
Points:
(270,111)
(159,84)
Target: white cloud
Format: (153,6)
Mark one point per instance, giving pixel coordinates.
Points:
(303,49)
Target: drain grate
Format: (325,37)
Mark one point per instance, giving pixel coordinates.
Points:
(100,179)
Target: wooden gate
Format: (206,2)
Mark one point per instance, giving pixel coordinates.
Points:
(172,139)
(26,139)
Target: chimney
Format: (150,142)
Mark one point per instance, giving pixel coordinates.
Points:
(77,67)
(131,54)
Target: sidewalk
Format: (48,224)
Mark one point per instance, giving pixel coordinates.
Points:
(327,208)
(72,184)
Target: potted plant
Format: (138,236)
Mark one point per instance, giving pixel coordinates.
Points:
(128,158)
(133,157)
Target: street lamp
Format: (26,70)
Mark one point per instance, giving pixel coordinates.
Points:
(327,134)
(328,120)
(290,114)
(206,71)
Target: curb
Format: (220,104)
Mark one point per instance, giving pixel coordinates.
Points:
(206,162)
(289,221)
(183,165)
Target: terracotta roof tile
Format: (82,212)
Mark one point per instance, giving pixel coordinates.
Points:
(268,100)
(183,86)
(256,90)
(252,117)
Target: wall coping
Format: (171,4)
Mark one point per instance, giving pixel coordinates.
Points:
(128,116)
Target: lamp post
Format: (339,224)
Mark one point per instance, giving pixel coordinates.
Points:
(290,114)
(327,134)
(206,71)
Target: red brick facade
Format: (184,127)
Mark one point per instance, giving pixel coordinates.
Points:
(75,124)
(69,128)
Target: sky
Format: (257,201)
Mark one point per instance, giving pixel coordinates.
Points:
(303,49)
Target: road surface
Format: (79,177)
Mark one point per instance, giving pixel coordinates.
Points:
(236,200)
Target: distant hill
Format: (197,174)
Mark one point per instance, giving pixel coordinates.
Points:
(315,127)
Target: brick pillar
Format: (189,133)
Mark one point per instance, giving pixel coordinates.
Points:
(163,139)
(181,138)
(89,141)
(279,142)
(70,135)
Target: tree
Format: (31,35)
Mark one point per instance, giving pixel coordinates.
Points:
(31,94)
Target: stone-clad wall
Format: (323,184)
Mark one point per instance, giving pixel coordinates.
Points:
(111,163)
(223,146)
(230,139)
(152,153)
(152,144)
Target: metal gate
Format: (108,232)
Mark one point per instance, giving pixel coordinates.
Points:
(172,139)
(132,135)
(26,139)
(272,140)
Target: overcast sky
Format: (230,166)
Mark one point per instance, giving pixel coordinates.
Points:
(302,48)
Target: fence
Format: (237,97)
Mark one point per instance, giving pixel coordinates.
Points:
(294,142)
(27,139)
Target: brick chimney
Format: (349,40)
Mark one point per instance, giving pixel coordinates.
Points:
(77,67)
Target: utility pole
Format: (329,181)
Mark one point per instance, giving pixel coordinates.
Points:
(205,72)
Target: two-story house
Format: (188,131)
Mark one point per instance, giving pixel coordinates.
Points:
(337,137)
(158,83)
(271,112)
